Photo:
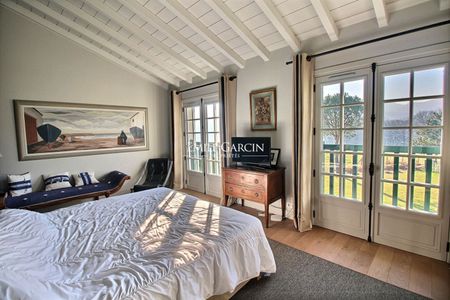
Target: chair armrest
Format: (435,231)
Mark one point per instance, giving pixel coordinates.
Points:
(114,178)
(169,173)
(144,172)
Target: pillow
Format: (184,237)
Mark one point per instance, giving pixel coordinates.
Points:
(85,178)
(19,184)
(56,181)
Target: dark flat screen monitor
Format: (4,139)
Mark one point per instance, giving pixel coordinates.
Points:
(253,151)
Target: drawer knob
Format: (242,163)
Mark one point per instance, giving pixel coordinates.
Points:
(230,189)
(256,194)
(256,181)
(229,177)
(242,177)
(243,191)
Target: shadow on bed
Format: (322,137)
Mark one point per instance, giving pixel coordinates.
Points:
(163,234)
(179,222)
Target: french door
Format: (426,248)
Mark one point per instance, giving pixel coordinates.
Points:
(340,185)
(202,145)
(412,172)
(411,207)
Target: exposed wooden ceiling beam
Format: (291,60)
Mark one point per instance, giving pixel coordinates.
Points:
(46,23)
(380,12)
(279,23)
(201,29)
(444,4)
(325,17)
(140,49)
(156,22)
(145,35)
(233,21)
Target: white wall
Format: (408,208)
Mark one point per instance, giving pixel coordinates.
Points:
(38,64)
(257,75)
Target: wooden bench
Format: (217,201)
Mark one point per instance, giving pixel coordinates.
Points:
(108,185)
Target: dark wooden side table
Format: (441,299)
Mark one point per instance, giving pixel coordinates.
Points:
(258,185)
(2,199)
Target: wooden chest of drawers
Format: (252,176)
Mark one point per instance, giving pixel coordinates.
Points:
(262,186)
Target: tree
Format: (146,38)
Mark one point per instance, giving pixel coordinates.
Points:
(353,116)
(427,137)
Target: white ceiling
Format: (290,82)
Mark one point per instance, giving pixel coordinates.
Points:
(170,41)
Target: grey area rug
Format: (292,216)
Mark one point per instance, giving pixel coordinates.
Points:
(303,276)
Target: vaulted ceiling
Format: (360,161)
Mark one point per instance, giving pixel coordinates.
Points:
(169,41)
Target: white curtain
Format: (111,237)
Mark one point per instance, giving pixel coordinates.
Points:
(227,93)
(303,141)
(177,140)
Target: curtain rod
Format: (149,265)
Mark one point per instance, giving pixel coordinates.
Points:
(203,85)
(309,57)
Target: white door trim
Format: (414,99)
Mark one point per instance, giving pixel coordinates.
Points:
(192,180)
(391,224)
(347,216)
(200,181)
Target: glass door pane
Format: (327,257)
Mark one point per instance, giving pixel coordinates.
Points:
(411,139)
(212,138)
(193,132)
(342,139)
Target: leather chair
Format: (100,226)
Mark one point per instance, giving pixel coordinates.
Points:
(158,172)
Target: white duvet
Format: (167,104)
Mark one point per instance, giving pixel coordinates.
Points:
(156,244)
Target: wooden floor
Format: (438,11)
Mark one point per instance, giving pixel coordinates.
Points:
(422,275)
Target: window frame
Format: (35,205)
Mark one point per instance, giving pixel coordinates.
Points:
(411,67)
(341,152)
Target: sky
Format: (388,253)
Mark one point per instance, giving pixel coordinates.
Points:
(353,88)
(426,83)
(87,120)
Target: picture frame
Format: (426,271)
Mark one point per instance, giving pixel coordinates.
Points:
(47,130)
(263,109)
(274,156)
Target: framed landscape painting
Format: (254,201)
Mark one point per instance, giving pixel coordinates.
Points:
(263,109)
(60,129)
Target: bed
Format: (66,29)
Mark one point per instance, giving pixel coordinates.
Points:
(154,244)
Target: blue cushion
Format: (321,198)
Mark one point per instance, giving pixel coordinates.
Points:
(106,184)
(59,194)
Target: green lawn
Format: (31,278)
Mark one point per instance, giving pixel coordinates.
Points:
(418,200)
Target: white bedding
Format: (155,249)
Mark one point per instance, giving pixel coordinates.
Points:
(156,244)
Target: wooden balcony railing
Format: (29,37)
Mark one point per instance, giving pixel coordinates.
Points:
(425,153)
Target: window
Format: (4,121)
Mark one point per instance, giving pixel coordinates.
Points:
(212,120)
(412,129)
(194,139)
(342,139)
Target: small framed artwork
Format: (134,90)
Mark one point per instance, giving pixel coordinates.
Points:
(263,109)
(274,156)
